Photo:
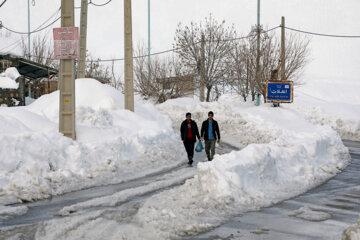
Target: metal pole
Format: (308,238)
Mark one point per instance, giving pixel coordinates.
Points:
(29,85)
(149,46)
(202,75)
(29,30)
(83,31)
(258,47)
(129,82)
(67,79)
(283,48)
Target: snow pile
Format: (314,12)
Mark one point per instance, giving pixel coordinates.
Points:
(8,212)
(257,176)
(238,127)
(7,78)
(113,144)
(352,232)
(289,157)
(332,103)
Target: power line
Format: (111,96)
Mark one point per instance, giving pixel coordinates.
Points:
(322,34)
(96,5)
(99,5)
(35,31)
(3,3)
(174,49)
(19,41)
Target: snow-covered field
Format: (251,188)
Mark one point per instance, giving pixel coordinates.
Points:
(285,152)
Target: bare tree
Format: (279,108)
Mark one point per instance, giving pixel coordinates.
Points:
(42,52)
(94,69)
(116,81)
(187,41)
(167,78)
(242,61)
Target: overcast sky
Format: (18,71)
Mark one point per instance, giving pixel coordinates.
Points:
(331,58)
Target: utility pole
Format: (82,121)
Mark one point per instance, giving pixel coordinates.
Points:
(202,75)
(258,29)
(83,32)
(283,48)
(129,82)
(67,81)
(149,45)
(29,40)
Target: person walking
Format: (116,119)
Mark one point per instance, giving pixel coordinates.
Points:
(189,131)
(210,132)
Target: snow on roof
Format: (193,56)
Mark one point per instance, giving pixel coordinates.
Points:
(7,78)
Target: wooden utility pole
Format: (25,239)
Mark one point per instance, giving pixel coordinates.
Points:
(83,32)
(67,81)
(202,75)
(129,82)
(283,49)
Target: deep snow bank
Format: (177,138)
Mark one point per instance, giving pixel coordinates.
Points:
(332,103)
(112,144)
(290,156)
(297,157)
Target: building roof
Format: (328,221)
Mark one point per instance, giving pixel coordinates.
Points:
(28,68)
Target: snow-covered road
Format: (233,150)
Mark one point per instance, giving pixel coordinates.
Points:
(103,197)
(322,213)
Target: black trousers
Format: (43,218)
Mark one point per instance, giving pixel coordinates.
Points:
(189,146)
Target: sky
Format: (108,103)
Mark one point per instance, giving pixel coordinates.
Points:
(335,59)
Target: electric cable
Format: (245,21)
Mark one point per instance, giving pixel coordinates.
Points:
(3,3)
(100,5)
(322,34)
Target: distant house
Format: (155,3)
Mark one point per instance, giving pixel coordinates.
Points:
(35,79)
(185,84)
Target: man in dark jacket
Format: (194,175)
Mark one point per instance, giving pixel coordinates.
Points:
(210,131)
(189,131)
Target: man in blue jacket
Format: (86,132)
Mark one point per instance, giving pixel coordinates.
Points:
(189,131)
(211,133)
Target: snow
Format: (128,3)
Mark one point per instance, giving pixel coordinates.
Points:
(113,144)
(8,212)
(283,152)
(309,214)
(283,155)
(8,77)
(352,232)
(335,104)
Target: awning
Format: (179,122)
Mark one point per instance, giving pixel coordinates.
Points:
(30,69)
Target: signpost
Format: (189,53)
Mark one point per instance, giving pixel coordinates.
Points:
(279,92)
(66,42)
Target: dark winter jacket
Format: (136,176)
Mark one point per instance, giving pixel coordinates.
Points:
(205,131)
(194,130)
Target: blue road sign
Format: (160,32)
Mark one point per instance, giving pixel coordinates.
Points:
(279,92)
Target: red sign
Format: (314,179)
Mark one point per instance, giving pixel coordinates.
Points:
(66,42)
